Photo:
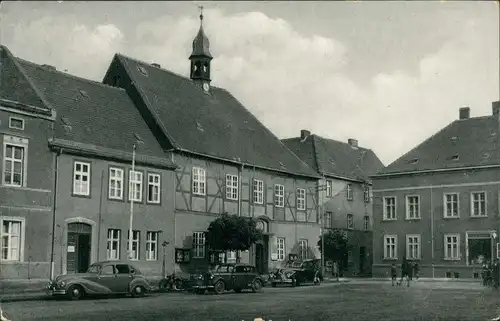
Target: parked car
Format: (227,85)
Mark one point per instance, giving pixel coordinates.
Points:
(227,277)
(296,273)
(107,277)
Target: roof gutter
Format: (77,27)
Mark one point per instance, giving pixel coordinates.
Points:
(440,170)
(330,175)
(49,114)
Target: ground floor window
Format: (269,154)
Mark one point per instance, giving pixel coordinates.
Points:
(303,249)
(135,245)
(113,247)
(479,248)
(452,246)
(390,247)
(281,248)
(151,246)
(11,235)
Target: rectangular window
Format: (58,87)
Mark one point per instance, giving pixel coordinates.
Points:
(390,247)
(135,244)
(199,245)
(350,221)
(452,246)
(135,186)
(328,220)
(349,192)
(301,199)
(199,181)
(478,206)
(367,194)
(16,123)
(231,256)
(366,223)
(154,187)
(329,188)
(412,207)
(303,249)
(14,165)
(279,195)
(258,191)
(113,246)
(151,246)
(12,239)
(451,205)
(389,208)
(413,247)
(115,183)
(281,248)
(81,178)
(231,187)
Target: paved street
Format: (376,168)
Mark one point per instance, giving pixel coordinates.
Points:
(348,301)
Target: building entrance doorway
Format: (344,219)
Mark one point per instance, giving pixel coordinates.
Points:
(479,248)
(78,247)
(262,254)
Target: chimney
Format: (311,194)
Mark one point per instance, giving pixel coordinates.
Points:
(304,134)
(495,106)
(464,113)
(156,65)
(50,67)
(353,142)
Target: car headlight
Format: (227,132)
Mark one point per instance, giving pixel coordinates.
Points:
(211,277)
(61,284)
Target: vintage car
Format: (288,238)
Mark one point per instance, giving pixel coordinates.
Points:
(227,277)
(296,273)
(107,277)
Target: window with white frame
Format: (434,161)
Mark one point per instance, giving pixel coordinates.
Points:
(389,208)
(135,186)
(412,207)
(328,188)
(151,246)
(413,247)
(452,246)
(328,220)
(281,248)
(14,165)
(451,205)
(199,181)
(135,245)
(390,247)
(301,199)
(12,238)
(258,191)
(16,123)
(478,204)
(350,221)
(81,178)
(231,256)
(199,245)
(303,249)
(279,195)
(349,192)
(366,223)
(367,193)
(154,187)
(115,183)
(231,187)
(113,246)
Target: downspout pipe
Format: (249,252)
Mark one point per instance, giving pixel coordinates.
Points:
(54,205)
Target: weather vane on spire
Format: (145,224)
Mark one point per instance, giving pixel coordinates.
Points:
(201,12)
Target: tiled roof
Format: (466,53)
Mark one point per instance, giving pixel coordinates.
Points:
(92,113)
(463,143)
(334,158)
(213,124)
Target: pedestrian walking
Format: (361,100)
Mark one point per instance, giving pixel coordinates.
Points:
(417,270)
(410,270)
(404,272)
(484,271)
(393,274)
(496,275)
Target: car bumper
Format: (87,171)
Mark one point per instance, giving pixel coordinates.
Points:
(53,291)
(202,287)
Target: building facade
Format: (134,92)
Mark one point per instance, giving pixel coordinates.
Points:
(438,205)
(345,192)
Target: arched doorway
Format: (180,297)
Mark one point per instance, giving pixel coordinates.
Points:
(78,247)
(262,247)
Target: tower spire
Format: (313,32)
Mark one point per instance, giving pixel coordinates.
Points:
(201,56)
(201,14)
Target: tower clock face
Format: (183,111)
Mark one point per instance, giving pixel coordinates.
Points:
(206,87)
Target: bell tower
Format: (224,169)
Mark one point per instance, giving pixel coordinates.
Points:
(201,58)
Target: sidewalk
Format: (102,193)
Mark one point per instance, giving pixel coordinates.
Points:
(22,289)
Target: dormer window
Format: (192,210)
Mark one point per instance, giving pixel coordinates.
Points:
(455,157)
(414,161)
(142,70)
(16,123)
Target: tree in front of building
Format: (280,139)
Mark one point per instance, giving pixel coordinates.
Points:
(232,233)
(336,247)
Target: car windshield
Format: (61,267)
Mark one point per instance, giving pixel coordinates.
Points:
(94,268)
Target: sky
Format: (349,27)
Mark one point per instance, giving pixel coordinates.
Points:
(389,74)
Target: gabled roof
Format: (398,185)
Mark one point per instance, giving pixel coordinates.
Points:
(213,124)
(334,158)
(93,114)
(463,143)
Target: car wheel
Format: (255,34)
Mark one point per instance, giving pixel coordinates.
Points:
(164,285)
(219,287)
(237,290)
(256,286)
(138,291)
(75,292)
(178,285)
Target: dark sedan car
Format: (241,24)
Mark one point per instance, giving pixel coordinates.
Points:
(107,277)
(227,277)
(296,273)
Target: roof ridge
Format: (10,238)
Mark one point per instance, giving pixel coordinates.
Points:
(340,142)
(69,75)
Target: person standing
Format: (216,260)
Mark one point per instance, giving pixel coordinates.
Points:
(393,274)
(404,272)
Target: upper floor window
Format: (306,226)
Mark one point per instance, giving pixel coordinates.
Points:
(16,123)
(349,192)
(451,205)
(258,191)
(303,249)
(478,204)
(328,188)
(281,248)
(366,223)
(199,245)
(350,221)
(301,199)
(135,186)
(412,207)
(367,193)
(115,183)
(328,220)
(154,188)
(389,208)
(199,181)
(279,195)
(14,165)
(231,187)
(81,178)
